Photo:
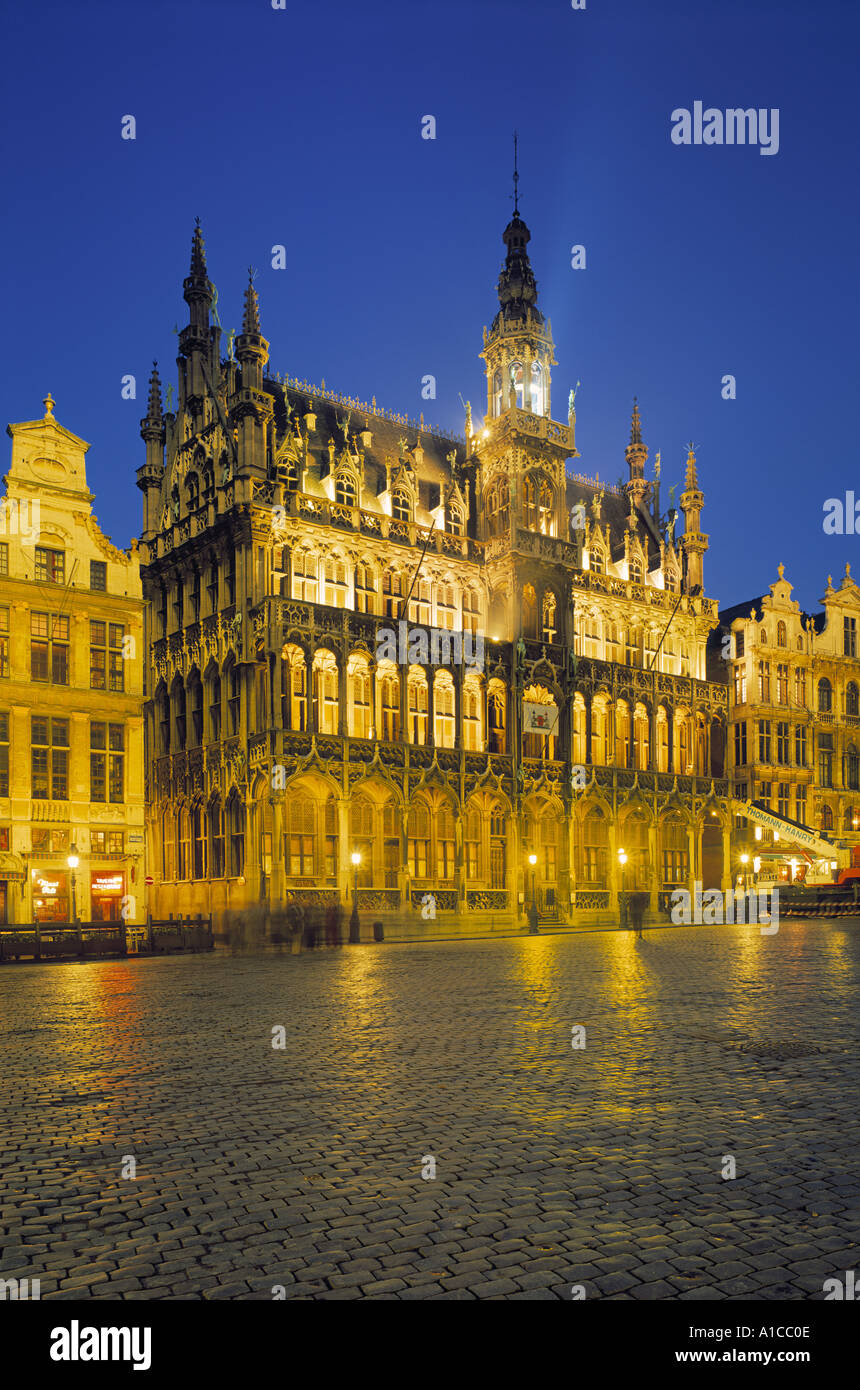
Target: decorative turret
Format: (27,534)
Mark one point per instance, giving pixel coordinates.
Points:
(693,542)
(636,455)
(194,344)
(150,474)
(250,406)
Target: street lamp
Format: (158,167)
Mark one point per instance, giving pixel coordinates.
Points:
(73,861)
(533,912)
(622,860)
(745,859)
(354,937)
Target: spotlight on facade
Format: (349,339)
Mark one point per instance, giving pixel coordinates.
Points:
(354,924)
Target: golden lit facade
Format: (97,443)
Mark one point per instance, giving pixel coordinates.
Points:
(442,655)
(794,738)
(71,695)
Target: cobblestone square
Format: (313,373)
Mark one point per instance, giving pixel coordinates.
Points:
(555,1166)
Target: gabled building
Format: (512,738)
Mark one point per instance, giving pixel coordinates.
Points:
(794,738)
(71,695)
(442,655)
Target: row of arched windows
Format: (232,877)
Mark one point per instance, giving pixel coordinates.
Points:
(335,581)
(527,396)
(203,841)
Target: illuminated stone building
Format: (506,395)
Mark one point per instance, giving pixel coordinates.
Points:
(71,695)
(356,623)
(794,738)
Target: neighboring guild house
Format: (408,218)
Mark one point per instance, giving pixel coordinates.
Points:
(306,557)
(794,735)
(71,697)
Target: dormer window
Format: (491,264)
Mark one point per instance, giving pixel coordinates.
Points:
(344,490)
(597,561)
(636,570)
(454,521)
(400,507)
(671,582)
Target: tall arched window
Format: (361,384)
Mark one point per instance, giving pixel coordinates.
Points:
(473,733)
(216,839)
(548,628)
(454,520)
(825,695)
(781,639)
(537,401)
(530,613)
(401,509)
(826,818)
(595,849)
(516,379)
(546,519)
(388,686)
(498,501)
(358,678)
(852,706)
(497,393)
(325,680)
(853,768)
(529,504)
(597,559)
(443,709)
(416,694)
(635,570)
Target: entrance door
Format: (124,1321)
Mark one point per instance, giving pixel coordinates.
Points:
(712,856)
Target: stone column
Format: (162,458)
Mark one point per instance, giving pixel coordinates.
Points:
(342,696)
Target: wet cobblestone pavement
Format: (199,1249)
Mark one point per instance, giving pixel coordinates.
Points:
(556,1165)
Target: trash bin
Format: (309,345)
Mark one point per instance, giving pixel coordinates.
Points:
(378,934)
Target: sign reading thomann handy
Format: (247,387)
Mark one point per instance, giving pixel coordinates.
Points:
(799,834)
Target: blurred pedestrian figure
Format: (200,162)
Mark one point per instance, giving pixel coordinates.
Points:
(331,925)
(637,912)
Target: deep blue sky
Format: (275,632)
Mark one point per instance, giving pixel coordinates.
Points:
(302,127)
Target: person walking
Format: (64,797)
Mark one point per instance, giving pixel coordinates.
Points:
(637,912)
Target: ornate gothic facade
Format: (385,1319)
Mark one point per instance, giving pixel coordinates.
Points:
(443,655)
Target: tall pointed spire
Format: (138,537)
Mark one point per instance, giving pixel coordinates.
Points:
(198,254)
(153,409)
(692,479)
(516,179)
(251,318)
(636,455)
(635,424)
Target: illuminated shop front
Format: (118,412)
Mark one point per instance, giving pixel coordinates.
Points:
(50,895)
(107,887)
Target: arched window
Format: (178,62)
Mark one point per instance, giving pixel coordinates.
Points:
(578,757)
(496,716)
(446,607)
(216,839)
(168,846)
(195,698)
(365,589)
(236,836)
(537,401)
(498,502)
(634,838)
(852,700)
(388,686)
(336,585)
(597,560)
(325,677)
(418,841)
(473,733)
(471,610)
(198,842)
(358,685)
(548,628)
(781,638)
(344,490)
(640,737)
(826,818)
(401,509)
(304,567)
(416,703)
(851,818)
(529,504)
(516,379)
(497,394)
(393,593)
(662,740)
(443,709)
(635,570)
(361,834)
(454,520)
(530,614)
(675,851)
(595,849)
(671,581)
(546,519)
(852,768)
(762,637)
(825,695)
(622,734)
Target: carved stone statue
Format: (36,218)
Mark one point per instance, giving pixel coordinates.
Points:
(521,654)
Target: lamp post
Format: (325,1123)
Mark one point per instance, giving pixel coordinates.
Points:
(354,936)
(533,912)
(73,861)
(622,860)
(745,859)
